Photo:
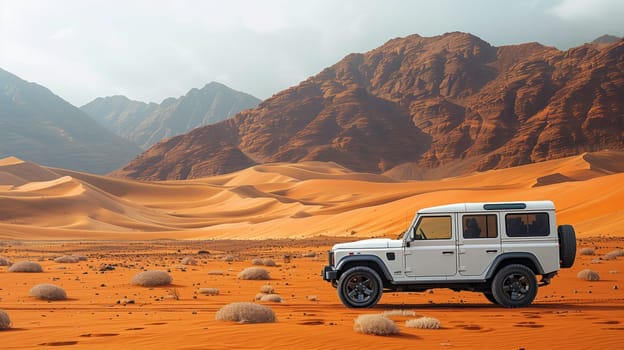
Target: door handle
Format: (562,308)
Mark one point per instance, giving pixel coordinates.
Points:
(448,252)
(491,251)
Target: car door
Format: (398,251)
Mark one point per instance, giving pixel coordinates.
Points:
(430,250)
(479,242)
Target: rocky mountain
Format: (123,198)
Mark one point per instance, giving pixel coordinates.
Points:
(606,39)
(146,124)
(38,126)
(419,107)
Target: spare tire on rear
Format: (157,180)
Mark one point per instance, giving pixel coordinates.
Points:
(567,245)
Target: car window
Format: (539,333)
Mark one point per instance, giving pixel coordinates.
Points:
(433,227)
(479,226)
(527,225)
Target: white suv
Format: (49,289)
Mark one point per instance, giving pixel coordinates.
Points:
(496,249)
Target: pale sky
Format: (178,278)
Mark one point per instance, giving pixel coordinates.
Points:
(149,50)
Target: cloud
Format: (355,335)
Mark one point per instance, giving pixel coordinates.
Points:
(572,10)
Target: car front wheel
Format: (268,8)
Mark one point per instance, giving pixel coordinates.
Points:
(360,287)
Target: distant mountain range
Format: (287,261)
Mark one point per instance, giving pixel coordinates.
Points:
(38,126)
(146,124)
(419,107)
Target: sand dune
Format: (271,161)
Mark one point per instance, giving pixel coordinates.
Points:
(291,200)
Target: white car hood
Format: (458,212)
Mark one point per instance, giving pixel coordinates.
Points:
(375,243)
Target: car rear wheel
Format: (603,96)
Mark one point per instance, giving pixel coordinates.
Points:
(514,286)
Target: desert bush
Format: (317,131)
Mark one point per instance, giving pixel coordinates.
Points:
(275,298)
(587,251)
(254,273)
(423,323)
(229,258)
(4,262)
(267,289)
(48,291)
(588,275)
(26,266)
(406,313)
(188,261)
(67,259)
(209,291)
(268,262)
(614,254)
(375,324)
(309,255)
(5,321)
(257,262)
(152,278)
(243,312)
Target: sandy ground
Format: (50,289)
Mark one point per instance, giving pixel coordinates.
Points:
(291,200)
(568,314)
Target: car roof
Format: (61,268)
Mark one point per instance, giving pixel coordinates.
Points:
(489,206)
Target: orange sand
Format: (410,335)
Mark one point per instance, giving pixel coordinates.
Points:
(568,314)
(291,200)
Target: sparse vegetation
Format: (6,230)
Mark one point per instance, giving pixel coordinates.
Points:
(406,313)
(588,275)
(188,261)
(48,291)
(275,298)
(257,262)
(67,259)
(244,312)
(376,325)
(209,291)
(26,266)
(5,321)
(215,273)
(254,273)
(267,289)
(152,278)
(309,255)
(587,251)
(423,323)
(4,262)
(614,254)
(229,258)
(268,262)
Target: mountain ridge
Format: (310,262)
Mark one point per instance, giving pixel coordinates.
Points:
(148,123)
(426,101)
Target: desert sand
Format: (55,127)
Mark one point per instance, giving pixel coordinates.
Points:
(568,314)
(274,211)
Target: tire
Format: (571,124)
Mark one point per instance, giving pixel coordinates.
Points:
(514,286)
(567,245)
(360,287)
(490,297)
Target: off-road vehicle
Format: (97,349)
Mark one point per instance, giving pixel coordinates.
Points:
(496,249)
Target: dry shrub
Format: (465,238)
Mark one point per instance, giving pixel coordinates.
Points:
(229,258)
(268,262)
(26,266)
(152,278)
(215,273)
(67,259)
(257,262)
(209,291)
(4,262)
(309,255)
(375,324)
(188,261)
(254,273)
(48,291)
(5,321)
(267,289)
(587,251)
(588,275)
(423,323)
(275,298)
(245,313)
(614,254)
(405,313)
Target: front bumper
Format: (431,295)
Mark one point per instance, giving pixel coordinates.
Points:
(329,274)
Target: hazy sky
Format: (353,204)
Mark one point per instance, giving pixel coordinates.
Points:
(149,50)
